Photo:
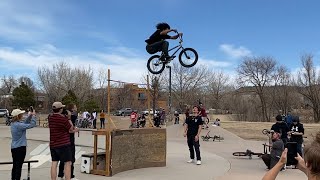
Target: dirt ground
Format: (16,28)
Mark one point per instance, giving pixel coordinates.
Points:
(253,130)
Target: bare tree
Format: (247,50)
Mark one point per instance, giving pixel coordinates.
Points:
(27,81)
(282,92)
(309,84)
(57,80)
(259,72)
(102,81)
(217,85)
(187,83)
(8,84)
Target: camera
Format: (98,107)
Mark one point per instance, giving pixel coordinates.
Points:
(64,112)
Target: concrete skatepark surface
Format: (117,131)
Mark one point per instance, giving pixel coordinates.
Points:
(217,160)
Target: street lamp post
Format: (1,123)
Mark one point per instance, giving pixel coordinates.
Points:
(170,99)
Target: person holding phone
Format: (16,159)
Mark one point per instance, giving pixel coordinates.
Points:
(309,165)
(296,133)
(192,132)
(19,140)
(277,148)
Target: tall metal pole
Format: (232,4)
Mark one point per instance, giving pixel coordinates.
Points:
(108,99)
(170,101)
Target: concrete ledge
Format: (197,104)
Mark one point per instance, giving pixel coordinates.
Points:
(138,148)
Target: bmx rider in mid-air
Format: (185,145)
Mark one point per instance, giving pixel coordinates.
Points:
(157,43)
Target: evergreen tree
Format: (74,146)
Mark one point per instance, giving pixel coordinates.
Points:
(23,96)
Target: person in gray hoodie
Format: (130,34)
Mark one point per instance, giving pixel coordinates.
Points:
(19,140)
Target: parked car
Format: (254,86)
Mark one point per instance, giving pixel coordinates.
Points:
(123,112)
(146,112)
(4,112)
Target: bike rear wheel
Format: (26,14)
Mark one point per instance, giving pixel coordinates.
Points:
(188,57)
(239,154)
(155,65)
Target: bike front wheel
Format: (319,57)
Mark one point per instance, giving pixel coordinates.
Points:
(188,57)
(155,65)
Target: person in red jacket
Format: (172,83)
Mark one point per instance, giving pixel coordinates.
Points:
(133,118)
(204,116)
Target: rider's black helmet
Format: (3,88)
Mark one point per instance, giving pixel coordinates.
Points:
(162,26)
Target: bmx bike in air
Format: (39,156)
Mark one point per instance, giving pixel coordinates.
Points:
(188,57)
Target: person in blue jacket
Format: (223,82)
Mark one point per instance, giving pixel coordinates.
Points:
(19,140)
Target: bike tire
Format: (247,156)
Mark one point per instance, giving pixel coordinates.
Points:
(187,54)
(265,131)
(154,62)
(239,154)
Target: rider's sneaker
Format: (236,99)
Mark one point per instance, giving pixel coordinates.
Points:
(198,162)
(190,161)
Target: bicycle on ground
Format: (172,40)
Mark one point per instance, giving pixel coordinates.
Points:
(207,137)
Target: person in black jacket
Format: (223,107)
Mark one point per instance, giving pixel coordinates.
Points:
(281,127)
(157,41)
(296,132)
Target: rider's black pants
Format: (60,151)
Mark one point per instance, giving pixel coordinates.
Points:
(193,146)
(158,46)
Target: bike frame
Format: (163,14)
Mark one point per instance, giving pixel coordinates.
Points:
(177,46)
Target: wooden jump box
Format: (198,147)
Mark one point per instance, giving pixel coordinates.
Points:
(130,149)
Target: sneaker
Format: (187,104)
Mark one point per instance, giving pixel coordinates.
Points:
(74,178)
(198,162)
(60,178)
(190,161)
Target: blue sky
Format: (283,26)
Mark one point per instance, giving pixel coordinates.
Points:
(111,33)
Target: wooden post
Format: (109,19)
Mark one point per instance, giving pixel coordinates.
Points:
(148,102)
(108,154)
(95,151)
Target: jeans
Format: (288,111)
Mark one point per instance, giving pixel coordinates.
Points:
(158,46)
(94,123)
(193,146)
(18,155)
(102,123)
(299,149)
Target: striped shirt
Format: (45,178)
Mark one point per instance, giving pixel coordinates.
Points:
(59,126)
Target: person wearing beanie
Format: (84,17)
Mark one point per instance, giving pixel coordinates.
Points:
(277,148)
(281,127)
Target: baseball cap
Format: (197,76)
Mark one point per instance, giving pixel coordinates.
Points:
(57,105)
(16,112)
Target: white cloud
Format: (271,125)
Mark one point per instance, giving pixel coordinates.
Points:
(214,63)
(235,52)
(20,24)
(123,68)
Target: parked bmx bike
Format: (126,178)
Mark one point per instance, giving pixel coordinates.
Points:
(207,137)
(250,153)
(188,57)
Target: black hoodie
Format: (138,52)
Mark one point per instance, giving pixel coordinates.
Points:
(282,128)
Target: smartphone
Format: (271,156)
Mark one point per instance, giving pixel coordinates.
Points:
(292,153)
